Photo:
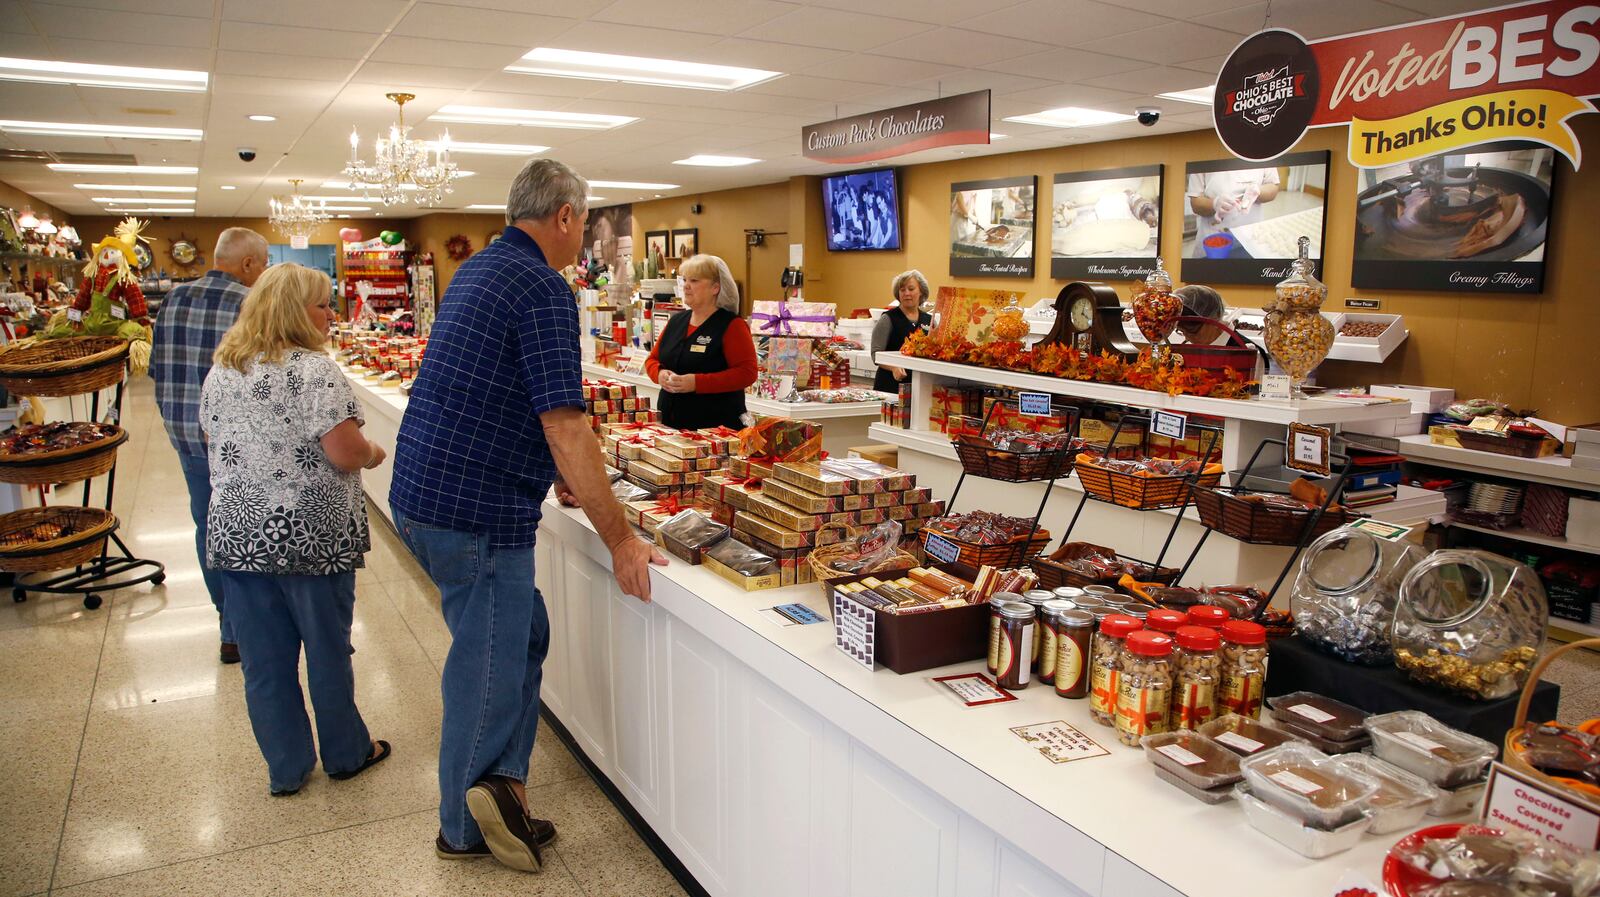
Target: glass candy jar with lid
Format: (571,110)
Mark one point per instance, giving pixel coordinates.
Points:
(1470,622)
(1345,593)
(1296,333)
(1156,310)
(1009,324)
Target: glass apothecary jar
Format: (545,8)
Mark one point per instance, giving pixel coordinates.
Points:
(1156,310)
(1345,593)
(1009,324)
(1296,333)
(1470,622)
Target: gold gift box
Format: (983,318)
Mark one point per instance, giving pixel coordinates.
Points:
(781,514)
(812,476)
(805,500)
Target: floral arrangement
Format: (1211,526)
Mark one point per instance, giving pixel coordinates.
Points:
(1060,360)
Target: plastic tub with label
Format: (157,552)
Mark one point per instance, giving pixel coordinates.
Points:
(1415,741)
(1305,782)
(1321,716)
(1245,736)
(1193,758)
(1294,833)
(1402,799)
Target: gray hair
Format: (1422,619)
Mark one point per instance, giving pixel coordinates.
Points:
(709,267)
(900,281)
(236,244)
(541,188)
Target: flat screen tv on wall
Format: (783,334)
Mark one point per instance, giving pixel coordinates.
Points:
(862,210)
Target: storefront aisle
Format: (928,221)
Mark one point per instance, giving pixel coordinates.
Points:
(130,768)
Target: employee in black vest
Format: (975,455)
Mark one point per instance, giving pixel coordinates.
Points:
(705,356)
(894,325)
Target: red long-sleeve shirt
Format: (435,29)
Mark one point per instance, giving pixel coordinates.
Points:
(738,346)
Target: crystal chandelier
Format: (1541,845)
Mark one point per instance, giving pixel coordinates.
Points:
(402,168)
(295,216)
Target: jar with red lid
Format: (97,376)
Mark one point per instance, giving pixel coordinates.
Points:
(1104,663)
(1144,686)
(1208,615)
(1165,620)
(1197,673)
(1244,667)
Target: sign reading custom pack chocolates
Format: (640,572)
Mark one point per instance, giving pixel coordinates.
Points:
(1248,217)
(947,121)
(992,227)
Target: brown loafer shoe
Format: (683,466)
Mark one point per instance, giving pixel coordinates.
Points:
(229,653)
(544,831)
(446,852)
(505,826)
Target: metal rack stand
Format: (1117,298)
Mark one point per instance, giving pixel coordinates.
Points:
(1072,415)
(102,573)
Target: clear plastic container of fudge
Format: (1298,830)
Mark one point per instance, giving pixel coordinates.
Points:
(1415,741)
(1305,783)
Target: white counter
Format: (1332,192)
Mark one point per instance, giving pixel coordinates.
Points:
(382,407)
(772,764)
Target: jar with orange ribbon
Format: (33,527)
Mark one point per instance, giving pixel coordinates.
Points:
(1105,663)
(1144,686)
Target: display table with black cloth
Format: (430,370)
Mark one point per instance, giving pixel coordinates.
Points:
(1295,665)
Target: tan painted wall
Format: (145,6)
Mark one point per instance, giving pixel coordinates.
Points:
(429,233)
(723,219)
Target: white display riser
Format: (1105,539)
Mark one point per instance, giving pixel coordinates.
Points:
(771,764)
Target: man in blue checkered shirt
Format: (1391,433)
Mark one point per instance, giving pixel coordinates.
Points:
(496,418)
(192,320)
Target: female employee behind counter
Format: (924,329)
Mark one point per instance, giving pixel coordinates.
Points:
(705,357)
(910,290)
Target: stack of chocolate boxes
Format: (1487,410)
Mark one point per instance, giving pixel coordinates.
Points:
(669,464)
(616,403)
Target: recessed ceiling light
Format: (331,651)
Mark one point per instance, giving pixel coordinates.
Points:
(341,216)
(76,168)
(1070,117)
(637,69)
(1200,96)
(717,161)
(633,185)
(262,117)
(147,188)
(488,207)
(229,187)
(86,74)
(532,118)
(146,201)
(594,199)
(493,149)
(82,129)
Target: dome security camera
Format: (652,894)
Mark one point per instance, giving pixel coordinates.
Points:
(247,154)
(1148,115)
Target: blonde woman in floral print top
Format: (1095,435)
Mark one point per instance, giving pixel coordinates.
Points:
(287,526)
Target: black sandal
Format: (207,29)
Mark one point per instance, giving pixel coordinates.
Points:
(379,754)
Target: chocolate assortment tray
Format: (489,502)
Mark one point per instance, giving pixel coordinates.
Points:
(61,452)
(1146,484)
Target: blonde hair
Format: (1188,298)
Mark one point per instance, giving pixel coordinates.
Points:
(900,281)
(710,267)
(273,317)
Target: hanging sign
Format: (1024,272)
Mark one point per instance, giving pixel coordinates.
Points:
(1412,91)
(1171,424)
(947,121)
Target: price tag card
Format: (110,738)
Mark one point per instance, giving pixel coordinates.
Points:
(1170,424)
(941,549)
(1514,800)
(854,629)
(1059,742)
(974,689)
(1034,404)
(119,313)
(1392,532)
(1308,449)
(74,315)
(1275,387)
(790,615)
(634,365)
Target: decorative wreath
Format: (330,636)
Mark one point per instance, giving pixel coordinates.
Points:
(458,247)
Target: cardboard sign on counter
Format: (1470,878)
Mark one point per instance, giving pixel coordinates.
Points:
(854,629)
(974,689)
(1059,742)
(1516,800)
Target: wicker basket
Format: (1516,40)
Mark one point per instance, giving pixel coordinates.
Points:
(1501,444)
(1511,755)
(826,576)
(1141,493)
(1259,523)
(68,465)
(1011,554)
(1053,574)
(89,529)
(981,459)
(63,367)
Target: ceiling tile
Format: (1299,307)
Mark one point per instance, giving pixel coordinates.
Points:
(1436,8)
(279,65)
(1067,65)
(976,79)
(438,22)
(513,83)
(1154,80)
(1028,102)
(367,16)
(195,8)
(14,19)
(883,69)
(1189,9)
(399,48)
(253,37)
(834,28)
(1239,19)
(122,53)
(1315,19)
(233,88)
(970,48)
(638,40)
(811,87)
(1175,42)
(1209,66)
(1063,22)
(399,75)
(940,12)
(704,16)
(114,25)
(773,57)
(898,96)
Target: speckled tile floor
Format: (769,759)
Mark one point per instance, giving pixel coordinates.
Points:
(130,768)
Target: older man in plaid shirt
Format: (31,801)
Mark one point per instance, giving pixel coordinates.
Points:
(192,321)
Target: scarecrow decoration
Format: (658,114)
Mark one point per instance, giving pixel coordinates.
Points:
(109,302)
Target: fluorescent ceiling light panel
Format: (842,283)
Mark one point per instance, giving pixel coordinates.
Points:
(717,161)
(262,117)
(532,118)
(1070,117)
(346,185)
(147,188)
(121,169)
(81,129)
(594,199)
(86,74)
(632,185)
(488,207)
(993,136)
(346,208)
(121,211)
(492,149)
(1200,96)
(229,187)
(146,201)
(637,69)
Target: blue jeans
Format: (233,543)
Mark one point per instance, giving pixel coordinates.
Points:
(500,635)
(273,616)
(197,473)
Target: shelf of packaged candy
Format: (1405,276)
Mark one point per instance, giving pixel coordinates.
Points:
(383,267)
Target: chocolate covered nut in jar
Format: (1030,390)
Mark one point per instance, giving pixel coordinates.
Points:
(1017,624)
(1144,686)
(1074,632)
(999,600)
(1105,661)
(1198,665)
(1244,668)
(1049,624)
(1297,334)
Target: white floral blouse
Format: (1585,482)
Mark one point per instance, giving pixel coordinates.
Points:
(278,505)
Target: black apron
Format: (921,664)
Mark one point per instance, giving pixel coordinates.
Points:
(900,327)
(698,354)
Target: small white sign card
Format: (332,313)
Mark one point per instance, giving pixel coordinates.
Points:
(854,629)
(1275,387)
(1170,424)
(1059,742)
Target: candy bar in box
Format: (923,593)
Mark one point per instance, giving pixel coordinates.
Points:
(812,476)
(916,496)
(628,446)
(761,528)
(612,406)
(648,513)
(900,512)
(854,502)
(872,477)
(724,440)
(886,499)
(792,565)
(720,511)
(687,534)
(929,509)
(848,518)
(686,444)
(744,467)
(646,475)
(735,491)
(781,514)
(801,499)
(871,516)
(655,457)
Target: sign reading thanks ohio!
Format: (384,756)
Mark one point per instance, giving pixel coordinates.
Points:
(1511,73)
(948,121)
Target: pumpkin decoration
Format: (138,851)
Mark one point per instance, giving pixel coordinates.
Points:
(458,247)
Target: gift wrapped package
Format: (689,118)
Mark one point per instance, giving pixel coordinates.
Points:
(735,491)
(720,511)
(870,476)
(608,389)
(789,356)
(778,536)
(647,475)
(686,444)
(774,439)
(784,317)
(662,461)
(688,533)
(917,496)
(792,566)
(871,516)
(724,440)
(744,467)
(796,497)
(814,476)
(649,513)
(782,514)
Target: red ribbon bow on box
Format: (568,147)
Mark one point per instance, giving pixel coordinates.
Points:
(724,432)
(668,504)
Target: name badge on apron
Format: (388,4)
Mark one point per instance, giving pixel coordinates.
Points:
(697,348)
(700,343)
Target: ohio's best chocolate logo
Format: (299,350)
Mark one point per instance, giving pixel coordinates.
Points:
(1266,95)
